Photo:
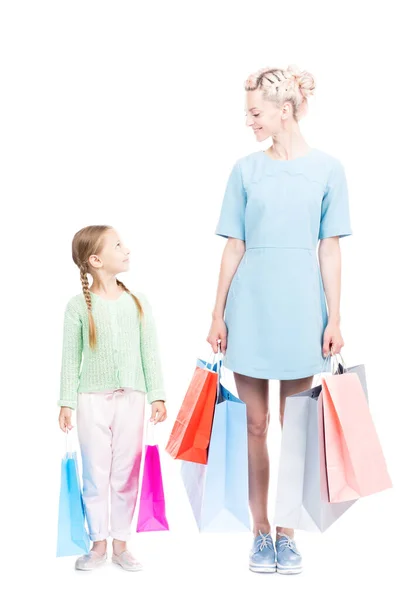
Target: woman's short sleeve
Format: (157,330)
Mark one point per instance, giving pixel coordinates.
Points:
(232,216)
(335,217)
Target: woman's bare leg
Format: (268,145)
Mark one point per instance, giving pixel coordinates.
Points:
(254,392)
(288,388)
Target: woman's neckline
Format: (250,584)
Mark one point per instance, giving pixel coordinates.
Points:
(107,299)
(290,160)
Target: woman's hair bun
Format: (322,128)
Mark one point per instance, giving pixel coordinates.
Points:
(304,80)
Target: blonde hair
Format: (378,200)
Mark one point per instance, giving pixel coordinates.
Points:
(88,241)
(283,85)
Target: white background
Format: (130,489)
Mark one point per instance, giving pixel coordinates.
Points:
(132,114)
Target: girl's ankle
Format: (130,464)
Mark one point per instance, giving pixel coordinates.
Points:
(100,547)
(119,546)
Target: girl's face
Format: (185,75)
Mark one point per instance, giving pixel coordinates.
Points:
(264,116)
(114,256)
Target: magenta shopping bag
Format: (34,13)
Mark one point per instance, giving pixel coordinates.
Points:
(152,515)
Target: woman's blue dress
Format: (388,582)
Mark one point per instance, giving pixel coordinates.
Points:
(276,308)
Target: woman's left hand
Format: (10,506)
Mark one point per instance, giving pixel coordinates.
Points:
(333,341)
(158,411)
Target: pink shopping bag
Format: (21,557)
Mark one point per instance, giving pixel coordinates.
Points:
(355,464)
(152,515)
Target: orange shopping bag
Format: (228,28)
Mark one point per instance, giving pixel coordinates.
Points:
(190,435)
(355,465)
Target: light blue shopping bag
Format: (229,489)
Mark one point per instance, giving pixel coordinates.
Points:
(219,491)
(72,536)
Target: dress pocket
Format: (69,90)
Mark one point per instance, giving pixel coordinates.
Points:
(316,290)
(236,279)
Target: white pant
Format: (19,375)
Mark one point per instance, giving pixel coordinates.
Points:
(110,431)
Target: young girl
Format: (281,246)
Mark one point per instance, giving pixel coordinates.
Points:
(113,331)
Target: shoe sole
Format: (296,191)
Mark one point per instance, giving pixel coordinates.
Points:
(262,569)
(288,570)
(90,568)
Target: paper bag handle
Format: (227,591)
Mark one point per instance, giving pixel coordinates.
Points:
(150,436)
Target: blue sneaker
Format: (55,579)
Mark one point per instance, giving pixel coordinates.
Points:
(262,554)
(288,556)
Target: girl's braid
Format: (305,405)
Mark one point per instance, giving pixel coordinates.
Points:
(138,304)
(88,299)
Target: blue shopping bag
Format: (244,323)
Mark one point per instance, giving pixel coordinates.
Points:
(72,536)
(219,491)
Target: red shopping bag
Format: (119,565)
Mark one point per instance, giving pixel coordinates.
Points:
(190,435)
(355,464)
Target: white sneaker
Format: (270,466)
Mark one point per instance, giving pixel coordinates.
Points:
(126,561)
(90,561)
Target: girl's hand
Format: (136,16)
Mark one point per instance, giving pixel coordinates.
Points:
(64,418)
(333,341)
(217,332)
(158,411)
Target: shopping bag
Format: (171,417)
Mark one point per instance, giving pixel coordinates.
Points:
(355,463)
(72,535)
(219,491)
(152,515)
(190,435)
(359,369)
(302,499)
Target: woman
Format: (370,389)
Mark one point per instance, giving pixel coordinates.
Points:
(282,306)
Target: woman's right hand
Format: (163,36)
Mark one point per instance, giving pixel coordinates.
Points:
(64,418)
(217,332)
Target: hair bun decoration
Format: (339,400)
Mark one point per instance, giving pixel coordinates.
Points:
(303,79)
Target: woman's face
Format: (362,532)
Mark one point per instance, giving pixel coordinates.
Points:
(263,116)
(114,256)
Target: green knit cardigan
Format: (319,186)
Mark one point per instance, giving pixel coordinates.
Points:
(126,354)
